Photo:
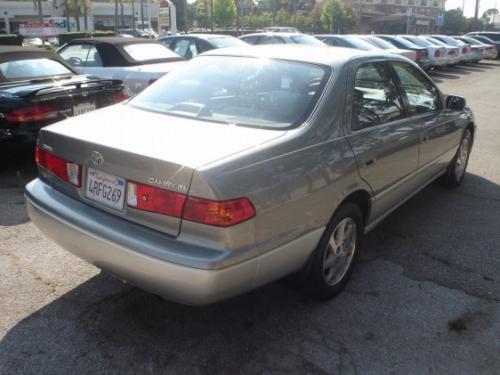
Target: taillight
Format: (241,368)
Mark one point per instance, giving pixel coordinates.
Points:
(152,199)
(64,169)
(199,210)
(437,53)
(120,97)
(490,48)
(451,52)
(464,50)
(420,54)
(218,213)
(40,112)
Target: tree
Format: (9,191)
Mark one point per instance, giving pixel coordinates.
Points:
(343,19)
(224,12)
(454,21)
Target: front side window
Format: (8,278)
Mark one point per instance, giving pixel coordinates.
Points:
(375,98)
(32,68)
(256,92)
(186,48)
(93,58)
(148,51)
(422,95)
(223,42)
(307,39)
(75,54)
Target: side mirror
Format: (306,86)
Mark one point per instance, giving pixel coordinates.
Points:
(456,103)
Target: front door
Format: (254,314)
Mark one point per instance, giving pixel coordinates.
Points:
(384,142)
(439,129)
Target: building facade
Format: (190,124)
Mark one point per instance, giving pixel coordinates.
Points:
(100,14)
(398,16)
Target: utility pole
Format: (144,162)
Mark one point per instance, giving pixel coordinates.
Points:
(360,16)
(40,11)
(476,10)
(142,14)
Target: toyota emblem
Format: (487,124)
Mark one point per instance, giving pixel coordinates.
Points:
(96,158)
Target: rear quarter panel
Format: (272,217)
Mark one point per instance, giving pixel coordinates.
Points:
(295,182)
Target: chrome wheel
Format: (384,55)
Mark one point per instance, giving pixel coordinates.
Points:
(340,251)
(462,157)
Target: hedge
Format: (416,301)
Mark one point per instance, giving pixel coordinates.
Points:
(66,37)
(10,40)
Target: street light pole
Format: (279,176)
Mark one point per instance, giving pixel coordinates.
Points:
(331,17)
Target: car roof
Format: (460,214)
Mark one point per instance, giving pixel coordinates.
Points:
(272,33)
(114,40)
(331,56)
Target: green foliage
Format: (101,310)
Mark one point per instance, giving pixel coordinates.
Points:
(454,22)
(224,12)
(10,40)
(344,19)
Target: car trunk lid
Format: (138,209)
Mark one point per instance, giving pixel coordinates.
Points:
(146,148)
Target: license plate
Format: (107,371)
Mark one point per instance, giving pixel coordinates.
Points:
(105,188)
(83,108)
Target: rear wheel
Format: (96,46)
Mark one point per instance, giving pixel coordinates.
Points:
(456,170)
(334,258)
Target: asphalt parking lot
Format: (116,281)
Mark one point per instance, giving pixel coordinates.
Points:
(424,299)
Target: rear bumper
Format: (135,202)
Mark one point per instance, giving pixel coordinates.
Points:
(140,255)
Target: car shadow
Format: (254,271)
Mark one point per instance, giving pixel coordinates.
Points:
(17,168)
(440,76)
(103,325)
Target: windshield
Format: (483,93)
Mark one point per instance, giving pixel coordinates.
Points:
(360,43)
(436,41)
(149,51)
(449,40)
(32,68)
(307,39)
(380,43)
(420,41)
(223,42)
(256,92)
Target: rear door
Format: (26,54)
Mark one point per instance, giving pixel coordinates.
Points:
(439,131)
(384,142)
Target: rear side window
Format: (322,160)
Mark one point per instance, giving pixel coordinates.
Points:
(271,40)
(422,95)
(186,48)
(32,68)
(375,98)
(148,51)
(250,39)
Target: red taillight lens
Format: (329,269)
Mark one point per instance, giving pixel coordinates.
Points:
(30,114)
(420,54)
(490,48)
(65,170)
(464,50)
(218,213)
(451,52)
(437,53)
(152,199)
(120,97)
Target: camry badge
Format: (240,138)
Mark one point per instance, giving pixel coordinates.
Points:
(96,158)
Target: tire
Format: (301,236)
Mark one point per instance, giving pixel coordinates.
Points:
(455,172)
(323,282)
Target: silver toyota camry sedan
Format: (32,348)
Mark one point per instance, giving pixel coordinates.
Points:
(246,165)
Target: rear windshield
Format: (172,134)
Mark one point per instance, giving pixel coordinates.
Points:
(360,43)
(307,39)
(32,68)
(149,51)
(271,94)
(223,42)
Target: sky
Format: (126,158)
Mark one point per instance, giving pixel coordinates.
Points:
(470,5)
